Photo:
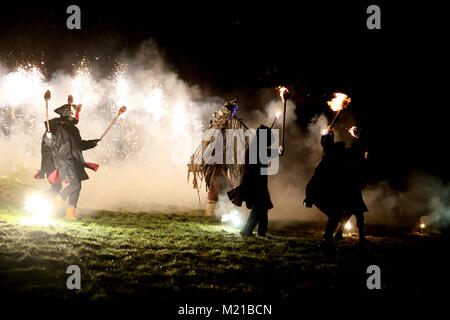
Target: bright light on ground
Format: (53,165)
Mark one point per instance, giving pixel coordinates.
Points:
(234,218)
(348,225)
(40,210)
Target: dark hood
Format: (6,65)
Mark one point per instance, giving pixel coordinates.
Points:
(64,112)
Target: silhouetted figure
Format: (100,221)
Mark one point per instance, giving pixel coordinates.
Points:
(335,187)
(254,188)
(354,159)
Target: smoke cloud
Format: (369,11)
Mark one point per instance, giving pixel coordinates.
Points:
(143,158)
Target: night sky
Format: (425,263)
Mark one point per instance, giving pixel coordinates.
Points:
(230,49)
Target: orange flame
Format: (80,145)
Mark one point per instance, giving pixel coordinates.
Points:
(339,102)
(283,91)
(354,131)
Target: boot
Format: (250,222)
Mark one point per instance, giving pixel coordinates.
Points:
(70,213)
(210,208)
(58,205)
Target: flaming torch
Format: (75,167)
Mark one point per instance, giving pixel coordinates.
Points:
(277,115)
(47,97)
(338,103)
(354,131)
(121,110)
(284,94)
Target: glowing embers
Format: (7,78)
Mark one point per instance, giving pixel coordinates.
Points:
(233,218)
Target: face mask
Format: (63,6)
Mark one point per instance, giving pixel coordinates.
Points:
(74,114)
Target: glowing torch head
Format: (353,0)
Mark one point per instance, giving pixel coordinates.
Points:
(284,93)
(278,114)
(339,102)
(47,95)
(122,109)
(354,131)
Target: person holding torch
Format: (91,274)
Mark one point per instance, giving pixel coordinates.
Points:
(62,155)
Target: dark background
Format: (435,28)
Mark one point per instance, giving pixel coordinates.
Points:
(395,76)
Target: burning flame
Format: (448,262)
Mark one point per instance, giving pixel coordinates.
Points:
(283,91)
(422,225)
(354,131)
(278,114)
(324,132)
(339,102)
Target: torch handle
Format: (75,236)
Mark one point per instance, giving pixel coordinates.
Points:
(109,127)
(46,115)
(273,122)
(335,118)
(284,124)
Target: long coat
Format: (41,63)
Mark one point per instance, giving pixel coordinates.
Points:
(336,186)
(63,151)
(254,188)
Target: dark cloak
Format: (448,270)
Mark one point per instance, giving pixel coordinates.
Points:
(63,151)
(254,188)
(336,186)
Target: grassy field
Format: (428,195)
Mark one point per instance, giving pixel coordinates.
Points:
(174,256)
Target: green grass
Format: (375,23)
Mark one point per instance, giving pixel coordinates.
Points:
(184,255)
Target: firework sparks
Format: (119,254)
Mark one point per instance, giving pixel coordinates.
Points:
(24,85)
(155,102)
(83,87)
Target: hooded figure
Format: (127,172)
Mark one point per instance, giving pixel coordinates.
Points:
(254,188)
(335,187)
(62,157)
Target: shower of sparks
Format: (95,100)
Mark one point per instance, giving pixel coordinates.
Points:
(121,92)
(83,87)
(23,85)
(153,109)
(155,102)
